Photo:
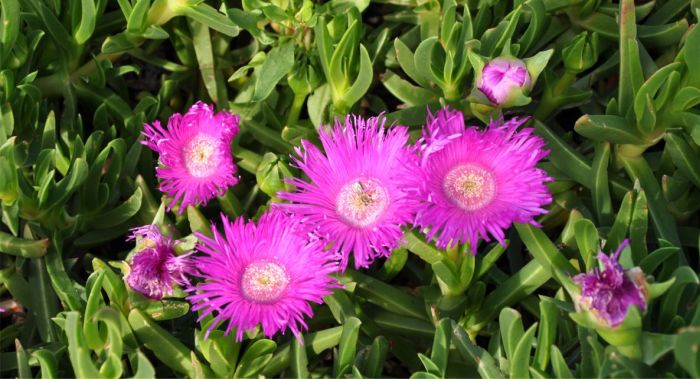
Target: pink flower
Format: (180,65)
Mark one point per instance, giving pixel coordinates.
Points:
(478,182)
(501,78)
(362,188)
(156,268)
(608,293)
(265,273)
(195,154)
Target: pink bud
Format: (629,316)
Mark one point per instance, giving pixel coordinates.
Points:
(501,77)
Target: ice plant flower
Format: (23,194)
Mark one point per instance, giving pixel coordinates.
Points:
(609,292)
(362,188)
(155,269)
(478,182)
(263,273)
(195,154)
(501,78)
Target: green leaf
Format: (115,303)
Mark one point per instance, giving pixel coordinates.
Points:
(649,263)
(23,370)
(483,361)
(609,128)
(299,361)
(88,18)
(139,15)
(630,72)
(47,362)
(271,174)
(622,222)
(387,296)
(544,251)
(547,333)
(78,351)
(9,21)
(671,301)
(512,330)
(69,292)
(122,212)
(406,92)
(638,227)
(405,57)
(564,157)
(348,346)
(521,355)
(255,358)
(168,349)
(212,78)
(315,343)
(686,158)
(144,368)
(601,189)
(512,290)
(363,81)
(277,65)
(210,17)
(561,370)
(587,241)
(687,351)
(638,168)
(376,356)
(441,345)
(22,247)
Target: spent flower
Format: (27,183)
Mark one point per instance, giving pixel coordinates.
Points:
(609,292)
(155,268)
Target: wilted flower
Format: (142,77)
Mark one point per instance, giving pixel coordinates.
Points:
(156,268)
(195,154)
(362,189)
(478,182)
(501,78)
(608,293)
(265,273)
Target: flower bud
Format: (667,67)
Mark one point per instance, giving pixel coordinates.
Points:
(502,78)
(506,81)
(581,53)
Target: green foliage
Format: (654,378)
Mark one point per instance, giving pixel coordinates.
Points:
(615,95)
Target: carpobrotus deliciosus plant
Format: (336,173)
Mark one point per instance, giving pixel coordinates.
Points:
(399,188)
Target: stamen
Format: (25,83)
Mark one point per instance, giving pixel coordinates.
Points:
(469,186)
(264,281)
(200,156)
(362,202)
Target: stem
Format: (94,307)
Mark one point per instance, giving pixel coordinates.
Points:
(295,109)
(551,99)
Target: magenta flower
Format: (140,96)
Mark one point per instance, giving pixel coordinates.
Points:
(265,273)
(156,268)
(608,293)
(478,182)
(362,188)
(195,154)
(501,78)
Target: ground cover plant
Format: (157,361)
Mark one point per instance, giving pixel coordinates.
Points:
(395,188)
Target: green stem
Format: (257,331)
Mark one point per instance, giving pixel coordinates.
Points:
(551,99)
(295,109)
